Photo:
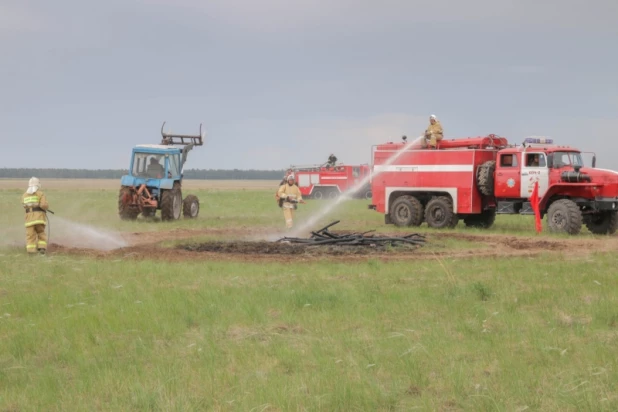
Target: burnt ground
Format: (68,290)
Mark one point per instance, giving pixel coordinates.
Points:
(440,245)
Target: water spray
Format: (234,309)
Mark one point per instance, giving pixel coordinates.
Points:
(73,234)
(346,195)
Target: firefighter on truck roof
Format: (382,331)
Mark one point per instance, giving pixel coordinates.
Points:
(332,160)
(35,205)
(433,134)
(288,196)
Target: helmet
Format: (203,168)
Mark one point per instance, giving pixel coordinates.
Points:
(291,176)
(33,185)
(34,182)
(433,116)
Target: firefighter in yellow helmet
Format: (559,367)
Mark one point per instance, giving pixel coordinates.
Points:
(35,205)
(434,133)
(288,197)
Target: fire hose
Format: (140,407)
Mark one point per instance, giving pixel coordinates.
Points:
(285,199)
(48,226)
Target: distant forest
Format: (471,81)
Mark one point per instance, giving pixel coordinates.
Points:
(203,174)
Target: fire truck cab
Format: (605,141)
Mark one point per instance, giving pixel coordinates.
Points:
(329,182)
(476,178)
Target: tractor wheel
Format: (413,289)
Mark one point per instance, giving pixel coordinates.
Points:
(439,213)
(604,223)
(564,216)
(171,203)
(485,178)
(190,207)
(484,220)
(317,194)
(406,211)
(124,199)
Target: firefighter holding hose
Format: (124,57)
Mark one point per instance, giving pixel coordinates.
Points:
(433,134)
(288,197)
(35,205)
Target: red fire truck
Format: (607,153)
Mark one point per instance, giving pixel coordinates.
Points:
(328,182)
(475,178)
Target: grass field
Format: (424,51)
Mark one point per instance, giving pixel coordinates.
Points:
(500,320)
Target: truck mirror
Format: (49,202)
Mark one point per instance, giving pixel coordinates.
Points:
(594,161)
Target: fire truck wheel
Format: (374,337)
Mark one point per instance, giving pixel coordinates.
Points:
(564,216)
(483,220)
(604,223)
(333,194)
(485,178)
(368,195)
(317,194)
(190,207)
(124,200)
(439,213)
(171,203)
(406,211)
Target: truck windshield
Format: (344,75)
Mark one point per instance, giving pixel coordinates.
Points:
(148,165)
(562,159)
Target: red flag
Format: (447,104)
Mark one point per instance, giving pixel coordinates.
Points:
(534,202)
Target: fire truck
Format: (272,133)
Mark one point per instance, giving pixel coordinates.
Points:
(476,178)
(328,182)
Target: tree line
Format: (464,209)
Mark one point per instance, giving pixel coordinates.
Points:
(197,174)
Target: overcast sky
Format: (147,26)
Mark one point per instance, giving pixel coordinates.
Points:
(277,82)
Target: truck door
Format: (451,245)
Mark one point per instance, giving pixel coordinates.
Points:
(508,172)
(534,170)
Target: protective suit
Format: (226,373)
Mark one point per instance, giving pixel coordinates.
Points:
(35,205)
(288,196)
(434,132)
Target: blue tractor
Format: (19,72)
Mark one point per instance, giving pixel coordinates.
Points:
(154,181)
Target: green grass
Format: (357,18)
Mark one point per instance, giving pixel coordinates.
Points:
(508,334)
(229,209)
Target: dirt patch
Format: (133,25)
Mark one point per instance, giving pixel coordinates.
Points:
(145,238)
(525,244)
(147,246)
(277,248)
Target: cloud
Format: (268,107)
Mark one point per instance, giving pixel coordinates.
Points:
(285,15)
(526,69)
(15,17)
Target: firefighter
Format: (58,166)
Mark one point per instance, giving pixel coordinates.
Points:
(434,133)
(288,197)
(332,160)
(35,205)
(155,169)
(534,160)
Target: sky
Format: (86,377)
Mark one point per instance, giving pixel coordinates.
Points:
(280,82)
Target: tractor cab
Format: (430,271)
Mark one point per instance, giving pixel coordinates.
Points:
(155,162)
